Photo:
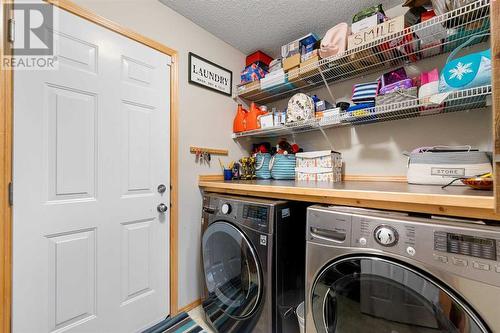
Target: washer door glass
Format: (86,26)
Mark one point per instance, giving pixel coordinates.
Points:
(232,271)
(367,294)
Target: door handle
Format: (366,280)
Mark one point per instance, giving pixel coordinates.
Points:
(161,188)
(162,208)
(330,235)
(209,210)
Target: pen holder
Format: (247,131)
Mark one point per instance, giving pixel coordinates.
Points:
(228,174)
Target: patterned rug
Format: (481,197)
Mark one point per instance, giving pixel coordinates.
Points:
(181,323)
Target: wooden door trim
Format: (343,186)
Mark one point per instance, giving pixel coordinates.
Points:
(5,175)
(6,149)
(495,54)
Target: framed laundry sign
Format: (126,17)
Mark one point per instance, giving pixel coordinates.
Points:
(205,73)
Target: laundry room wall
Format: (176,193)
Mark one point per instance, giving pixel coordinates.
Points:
(205,117)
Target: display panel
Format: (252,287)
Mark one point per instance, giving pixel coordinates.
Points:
(484,248)
(255,212)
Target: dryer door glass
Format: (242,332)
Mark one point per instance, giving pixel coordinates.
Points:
(232,271)
(367,294)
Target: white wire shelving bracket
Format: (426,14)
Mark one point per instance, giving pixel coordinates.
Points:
(438,35)
(461,100)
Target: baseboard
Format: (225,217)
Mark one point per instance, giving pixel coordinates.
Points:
(190,306)
(358,178)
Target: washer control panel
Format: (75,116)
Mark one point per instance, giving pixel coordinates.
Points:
(255,215)
(465,249)
(454,243)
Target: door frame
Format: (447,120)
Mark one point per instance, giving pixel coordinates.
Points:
(6,150)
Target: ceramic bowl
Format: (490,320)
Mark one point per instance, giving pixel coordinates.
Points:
(479,183)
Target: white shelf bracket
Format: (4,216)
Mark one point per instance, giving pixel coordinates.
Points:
(327,139)
(326,85)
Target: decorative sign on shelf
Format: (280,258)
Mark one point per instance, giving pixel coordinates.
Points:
(205,73)
(368,35)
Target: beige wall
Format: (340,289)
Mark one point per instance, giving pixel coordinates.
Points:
(205,117)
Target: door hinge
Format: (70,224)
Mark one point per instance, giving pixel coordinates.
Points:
(12,30)
(11,194)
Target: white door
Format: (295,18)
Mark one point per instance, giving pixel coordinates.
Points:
(91,147)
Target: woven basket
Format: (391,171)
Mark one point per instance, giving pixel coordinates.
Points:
(282,166)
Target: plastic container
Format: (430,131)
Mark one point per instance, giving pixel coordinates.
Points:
(228,174)
(239,123)
(300,317)
(252,117)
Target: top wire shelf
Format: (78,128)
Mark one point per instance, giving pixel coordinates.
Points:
(438,35)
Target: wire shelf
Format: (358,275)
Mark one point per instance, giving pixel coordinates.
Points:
(438,35)
(462,100)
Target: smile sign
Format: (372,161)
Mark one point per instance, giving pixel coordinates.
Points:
(205,73)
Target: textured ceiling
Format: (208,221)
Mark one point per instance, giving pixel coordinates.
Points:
(265,25)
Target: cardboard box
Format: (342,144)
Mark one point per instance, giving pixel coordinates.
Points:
(258,56)
(366,36)
(266,120)
(291,62)
(309,67)
(248,89)
(294,78)
(273,79)
(309,55)
(293,48)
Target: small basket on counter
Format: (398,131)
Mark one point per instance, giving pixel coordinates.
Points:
(322,165)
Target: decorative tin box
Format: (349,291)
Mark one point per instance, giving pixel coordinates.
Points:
(323,165)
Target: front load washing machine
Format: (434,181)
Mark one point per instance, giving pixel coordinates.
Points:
(387,272)
(253,254)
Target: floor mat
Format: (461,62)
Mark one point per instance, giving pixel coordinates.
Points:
(181,323)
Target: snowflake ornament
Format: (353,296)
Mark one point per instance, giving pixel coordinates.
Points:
(459,71)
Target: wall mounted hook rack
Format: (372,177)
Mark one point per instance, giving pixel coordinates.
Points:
(211,151)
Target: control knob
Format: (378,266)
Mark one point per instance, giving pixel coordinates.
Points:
(386,235)
(225,208)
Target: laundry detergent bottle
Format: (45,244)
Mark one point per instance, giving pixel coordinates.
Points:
(239,124)
(252,117)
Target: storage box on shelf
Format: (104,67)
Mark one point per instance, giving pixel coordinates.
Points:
(248,89)
(396,49)
(462,100)
(322,166)
(295,78)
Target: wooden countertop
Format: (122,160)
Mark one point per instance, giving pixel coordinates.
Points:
(454,200)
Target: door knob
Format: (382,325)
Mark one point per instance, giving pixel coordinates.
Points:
(162,188)
(162,208)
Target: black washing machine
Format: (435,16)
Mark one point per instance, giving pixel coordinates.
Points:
(253,254)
